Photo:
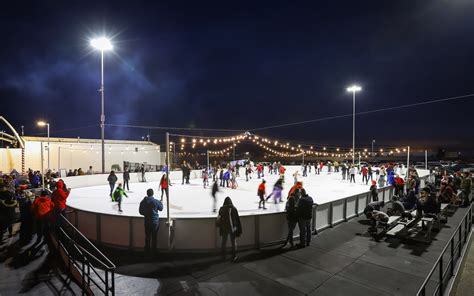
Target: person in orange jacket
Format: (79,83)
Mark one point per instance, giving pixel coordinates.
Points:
(261,193)
(42,210)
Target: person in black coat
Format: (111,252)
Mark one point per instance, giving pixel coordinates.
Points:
(7,214)
(291,219)
(112,179)
(126,178)
(304,212)
(26,217)
(229,224)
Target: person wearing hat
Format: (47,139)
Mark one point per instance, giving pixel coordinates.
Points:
(373,191)
(26,217)
(7,214)
(428,204)
(229,224)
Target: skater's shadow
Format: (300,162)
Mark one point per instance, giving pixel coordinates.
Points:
(28,255)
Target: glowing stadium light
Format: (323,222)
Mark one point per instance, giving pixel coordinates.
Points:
(102,43)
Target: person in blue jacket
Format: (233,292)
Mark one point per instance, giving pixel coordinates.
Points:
(149,208)
(391,178)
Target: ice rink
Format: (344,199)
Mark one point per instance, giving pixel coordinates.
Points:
(192,200)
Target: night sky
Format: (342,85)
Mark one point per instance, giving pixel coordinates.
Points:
(243,65)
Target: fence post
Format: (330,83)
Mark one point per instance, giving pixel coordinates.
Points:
(441,290)
(330,214)
(452,256)
(345,210)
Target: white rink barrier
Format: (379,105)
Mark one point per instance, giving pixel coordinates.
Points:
(201,234)
(101,179)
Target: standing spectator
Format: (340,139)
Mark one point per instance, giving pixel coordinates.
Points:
(7,214)
(126,179)
(373,191)
(112,179)
(149,208)
(370,173)
(164,187)
(26,218)
(117,197)
(229,223)
(304,212)
(42,209)
(59,197)
(466,185)
(261,193)
(291,220)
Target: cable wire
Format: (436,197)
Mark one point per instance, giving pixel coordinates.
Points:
(364,112)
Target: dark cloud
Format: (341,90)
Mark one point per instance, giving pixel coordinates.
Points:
(241,66)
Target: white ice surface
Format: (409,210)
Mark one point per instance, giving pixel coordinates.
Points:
(194,201)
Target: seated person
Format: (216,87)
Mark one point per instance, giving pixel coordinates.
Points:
(397,208)
(409,201)
(428,205)
(376,216)
(376,205)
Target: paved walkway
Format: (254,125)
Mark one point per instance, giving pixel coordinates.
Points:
(465,282)
(344,260)
(340,261)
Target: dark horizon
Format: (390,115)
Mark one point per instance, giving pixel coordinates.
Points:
(213,65)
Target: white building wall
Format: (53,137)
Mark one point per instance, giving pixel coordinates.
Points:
(66,154)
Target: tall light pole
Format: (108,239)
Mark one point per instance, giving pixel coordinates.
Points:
(353,88)
(373,141)
(42,123)
(102,44)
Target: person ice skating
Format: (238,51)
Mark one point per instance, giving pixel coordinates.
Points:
(352,172)
(344,171)
(205,177)
(164,186)
(295,177)
(142,170)
(261,193)
(126,178)
(226,178)
(112,179)
(117,197)
(370,173)
(259,170)
(373,191)
(215,189)
(305,170)
(365,172)
(149,208)
(229,224)
(276,193)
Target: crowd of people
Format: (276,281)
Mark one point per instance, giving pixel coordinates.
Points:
(39,209)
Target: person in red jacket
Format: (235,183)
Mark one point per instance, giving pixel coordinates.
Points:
(261,193)
(59,197)
(365,175)
(42,210)
(164,186)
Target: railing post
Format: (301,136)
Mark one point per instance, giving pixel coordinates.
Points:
(106,282)
(357,206)
(345,210)
(441,290)
(113,283)
(452,256)
(330,214)
(460,240)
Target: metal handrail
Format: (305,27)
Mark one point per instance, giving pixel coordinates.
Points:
(439,260)
(108,264)
(82,259)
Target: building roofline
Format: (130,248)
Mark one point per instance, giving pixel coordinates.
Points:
(85,141)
